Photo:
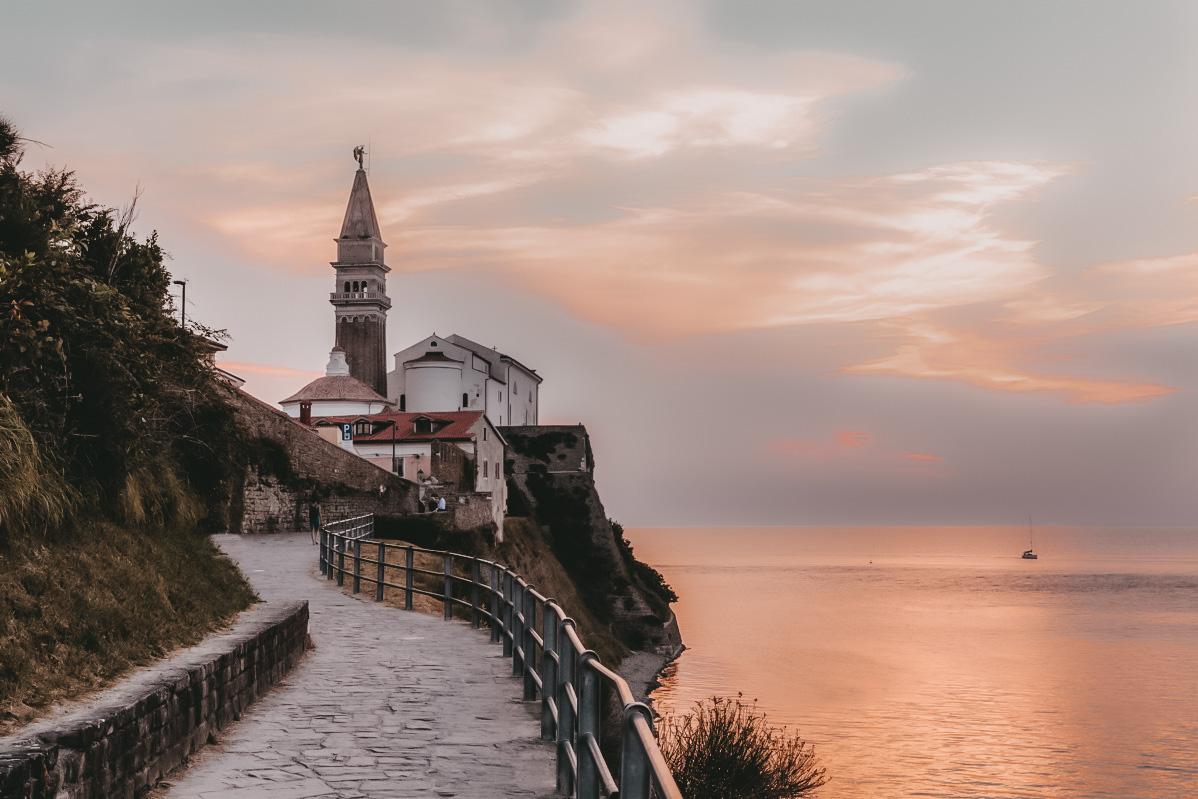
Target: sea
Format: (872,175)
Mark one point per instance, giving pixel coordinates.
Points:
(936,662)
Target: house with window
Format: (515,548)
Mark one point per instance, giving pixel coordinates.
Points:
(454,452)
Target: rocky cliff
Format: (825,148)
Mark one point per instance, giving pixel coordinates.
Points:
(551,482)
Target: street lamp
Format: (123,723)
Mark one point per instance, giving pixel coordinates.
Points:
(182,303)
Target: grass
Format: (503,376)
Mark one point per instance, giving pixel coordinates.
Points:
(78,611)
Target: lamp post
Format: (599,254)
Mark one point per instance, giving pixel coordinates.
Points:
(182,302)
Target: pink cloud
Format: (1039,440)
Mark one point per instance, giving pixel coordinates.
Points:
(919,456)
(852,438)
(243,368)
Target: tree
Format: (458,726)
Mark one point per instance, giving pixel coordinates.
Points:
(109,393)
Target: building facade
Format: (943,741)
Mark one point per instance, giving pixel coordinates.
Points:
(457,374)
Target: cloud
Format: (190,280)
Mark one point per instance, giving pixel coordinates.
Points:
(650,182)
(857,449)
(243,368)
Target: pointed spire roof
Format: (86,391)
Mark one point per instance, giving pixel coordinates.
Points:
(360,221)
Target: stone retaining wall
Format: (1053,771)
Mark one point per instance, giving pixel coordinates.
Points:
(132,735)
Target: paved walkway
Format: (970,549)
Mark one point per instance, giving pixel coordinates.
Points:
(390,703)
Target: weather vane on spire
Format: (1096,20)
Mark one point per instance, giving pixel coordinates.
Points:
(360,153)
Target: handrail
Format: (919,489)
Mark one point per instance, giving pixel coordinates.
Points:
(553,662)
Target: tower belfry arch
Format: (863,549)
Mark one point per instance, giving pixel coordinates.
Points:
(359,297)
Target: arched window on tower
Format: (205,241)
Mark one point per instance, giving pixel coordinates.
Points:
(465,401)
(347,287)
(355,285)
(403,403)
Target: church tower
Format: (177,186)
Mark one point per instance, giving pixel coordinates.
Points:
(359,298)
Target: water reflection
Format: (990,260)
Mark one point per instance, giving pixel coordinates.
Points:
(947,666)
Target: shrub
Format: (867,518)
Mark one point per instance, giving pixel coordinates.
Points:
(722,749)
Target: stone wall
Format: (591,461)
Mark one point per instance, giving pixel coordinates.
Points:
(274,500)
(132,735)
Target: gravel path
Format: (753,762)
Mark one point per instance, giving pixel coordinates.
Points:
(390,703)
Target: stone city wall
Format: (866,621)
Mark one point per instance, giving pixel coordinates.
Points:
(132,735)
(342,483)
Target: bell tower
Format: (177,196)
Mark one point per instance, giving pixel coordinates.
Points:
(359,298)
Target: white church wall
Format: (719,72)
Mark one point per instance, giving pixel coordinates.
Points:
(432,387)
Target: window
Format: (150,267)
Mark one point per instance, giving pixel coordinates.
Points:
(484,468)
(355,285)
(484,434)
(403,403)
(347,287)
(424,425)
(515,389)
(397,466)
(362,428)
(465,400)
(432,343)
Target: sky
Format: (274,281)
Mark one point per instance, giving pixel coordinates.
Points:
(792,263)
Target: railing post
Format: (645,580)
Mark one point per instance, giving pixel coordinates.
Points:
(517,627)
(549,660)
(496,624)
(566,712)
(448,586)
(357,565)
(475,620)
(634,763)
(507,614)
(341,563)
(409,557)
(381,552)
(321,535)
(530,644)
(590,690)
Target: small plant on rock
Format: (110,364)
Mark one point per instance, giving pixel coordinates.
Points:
(723,749)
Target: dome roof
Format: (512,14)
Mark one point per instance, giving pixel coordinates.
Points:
(336,387)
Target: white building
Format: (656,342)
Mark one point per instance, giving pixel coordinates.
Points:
(458,450)
(457,374)
(335,394)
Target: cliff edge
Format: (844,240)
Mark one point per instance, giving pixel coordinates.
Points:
(551,484)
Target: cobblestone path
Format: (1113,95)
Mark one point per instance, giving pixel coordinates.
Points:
(390,703)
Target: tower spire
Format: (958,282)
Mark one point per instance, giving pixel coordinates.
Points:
(359,298)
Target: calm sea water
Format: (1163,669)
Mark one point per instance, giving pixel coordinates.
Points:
(934,662)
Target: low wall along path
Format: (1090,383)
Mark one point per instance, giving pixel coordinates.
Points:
(389,703)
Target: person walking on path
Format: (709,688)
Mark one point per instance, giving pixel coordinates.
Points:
(314,521)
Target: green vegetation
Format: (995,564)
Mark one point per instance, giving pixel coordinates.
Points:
(116,448)
(724,750)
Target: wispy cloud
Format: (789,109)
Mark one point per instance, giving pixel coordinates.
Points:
(649,182)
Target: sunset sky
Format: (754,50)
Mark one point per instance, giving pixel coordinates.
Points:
(790,262)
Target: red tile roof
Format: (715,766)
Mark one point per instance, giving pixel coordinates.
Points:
(456,425)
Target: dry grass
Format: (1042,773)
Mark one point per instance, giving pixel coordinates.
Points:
(724,749)
(76,614)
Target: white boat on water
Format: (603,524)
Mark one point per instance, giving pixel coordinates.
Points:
(1030,553)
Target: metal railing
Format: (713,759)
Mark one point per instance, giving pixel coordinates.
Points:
(545,649)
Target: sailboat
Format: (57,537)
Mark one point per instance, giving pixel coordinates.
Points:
(1030,553)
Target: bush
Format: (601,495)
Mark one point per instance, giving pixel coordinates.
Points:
(724,750)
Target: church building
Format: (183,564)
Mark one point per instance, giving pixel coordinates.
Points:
(434,418)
